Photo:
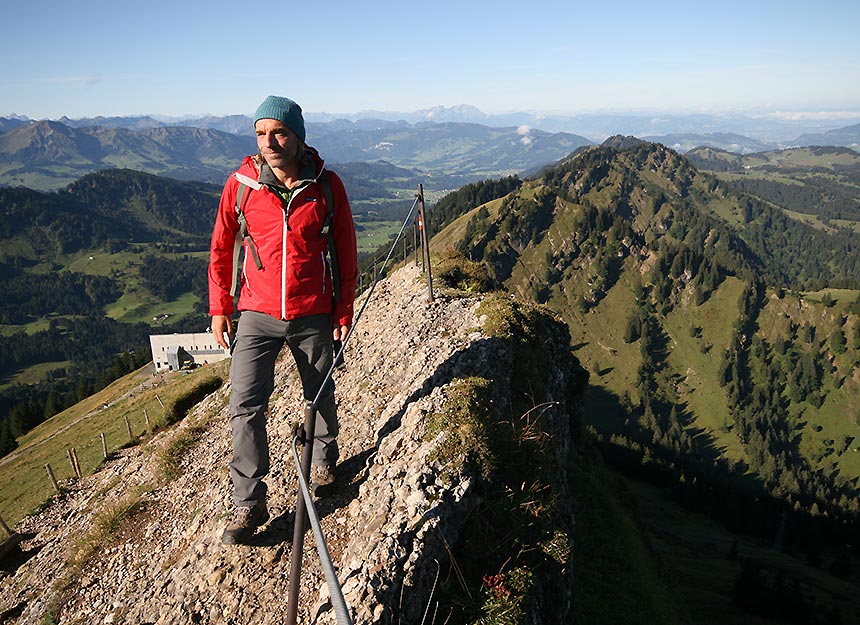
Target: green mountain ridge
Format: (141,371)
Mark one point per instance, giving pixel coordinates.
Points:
(113,207)
(722,388)
(675,290)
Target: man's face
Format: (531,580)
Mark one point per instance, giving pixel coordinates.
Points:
(279,145)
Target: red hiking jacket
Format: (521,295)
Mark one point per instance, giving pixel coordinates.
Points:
(294,280)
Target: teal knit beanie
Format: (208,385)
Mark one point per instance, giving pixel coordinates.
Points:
(285,111)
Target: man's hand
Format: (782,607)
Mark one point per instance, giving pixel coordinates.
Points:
(222,330)
(339,334)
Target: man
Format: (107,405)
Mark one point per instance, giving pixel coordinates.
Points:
(286,296)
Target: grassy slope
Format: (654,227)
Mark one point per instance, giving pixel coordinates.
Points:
(374,233)
(80,426)
(136,303)
(453,233)
(839,416)
(33,374)
(696,361)
(613,364)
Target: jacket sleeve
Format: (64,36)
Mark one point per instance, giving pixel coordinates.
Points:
(347,254)
(221,262)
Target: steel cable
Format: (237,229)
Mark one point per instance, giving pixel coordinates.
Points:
(338,601)
(339,355)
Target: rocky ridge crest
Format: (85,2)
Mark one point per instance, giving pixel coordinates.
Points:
(390,527)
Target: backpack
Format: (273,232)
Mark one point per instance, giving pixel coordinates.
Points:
(246,182)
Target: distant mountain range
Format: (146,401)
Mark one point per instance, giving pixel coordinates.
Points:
(49,155)
(729,141)
(460,144)
(774,129)
(848,137)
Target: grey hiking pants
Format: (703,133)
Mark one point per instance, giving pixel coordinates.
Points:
(259,339)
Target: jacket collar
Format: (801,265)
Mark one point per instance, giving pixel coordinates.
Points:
(309,170)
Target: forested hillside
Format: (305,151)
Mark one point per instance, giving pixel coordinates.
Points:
(723,340)
(818,185)
(724,345)
(85,270)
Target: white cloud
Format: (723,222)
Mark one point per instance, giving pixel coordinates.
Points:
(524,131)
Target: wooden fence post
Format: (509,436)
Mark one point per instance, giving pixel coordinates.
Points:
(104,445)
(5,527)
(128,427)
(77,464)
(53,477)
(148,424)
(72,462)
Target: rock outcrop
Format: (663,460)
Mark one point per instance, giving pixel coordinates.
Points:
(138,543)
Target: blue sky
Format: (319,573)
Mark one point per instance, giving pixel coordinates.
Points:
(89,58)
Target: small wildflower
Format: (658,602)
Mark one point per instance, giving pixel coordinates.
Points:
(496,585)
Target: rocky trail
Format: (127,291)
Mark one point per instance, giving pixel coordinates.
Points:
(165,564)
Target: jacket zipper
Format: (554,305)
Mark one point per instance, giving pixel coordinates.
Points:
(298,189)
(245,272)
(284,260)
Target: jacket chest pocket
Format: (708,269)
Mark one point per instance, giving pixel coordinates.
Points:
(306,220)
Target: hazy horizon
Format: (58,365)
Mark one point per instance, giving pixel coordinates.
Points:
(753,113)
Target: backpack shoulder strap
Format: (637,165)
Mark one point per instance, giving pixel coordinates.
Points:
(245,183)
(248,181)
(327,232)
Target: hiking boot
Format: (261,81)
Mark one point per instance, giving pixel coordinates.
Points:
(244,521)
(321,477)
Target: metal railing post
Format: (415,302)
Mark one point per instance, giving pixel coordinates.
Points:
(425,241)
(415,244)
(301,518)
